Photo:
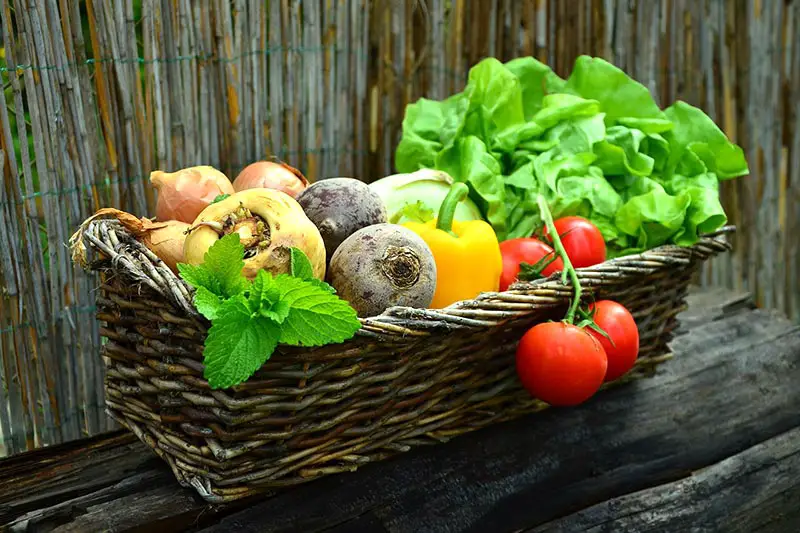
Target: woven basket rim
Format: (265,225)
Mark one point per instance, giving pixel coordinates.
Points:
(107,235)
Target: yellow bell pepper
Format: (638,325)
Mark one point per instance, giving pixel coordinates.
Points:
(467,253)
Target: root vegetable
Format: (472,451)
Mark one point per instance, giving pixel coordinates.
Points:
(183,194)
(165,239)
(381,266)
(269,224)
(339,207)
(271,175)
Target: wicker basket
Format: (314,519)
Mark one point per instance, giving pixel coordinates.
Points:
(409,377)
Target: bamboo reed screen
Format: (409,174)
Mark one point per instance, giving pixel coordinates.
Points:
(98,94)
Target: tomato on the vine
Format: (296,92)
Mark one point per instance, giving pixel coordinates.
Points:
(560,364)
(581,239)
(619,325)
(525,250)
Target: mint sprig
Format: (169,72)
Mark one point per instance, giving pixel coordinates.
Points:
(221,270)
(301,266)
(249,319)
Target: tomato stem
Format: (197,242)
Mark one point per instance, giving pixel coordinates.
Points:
(569,270)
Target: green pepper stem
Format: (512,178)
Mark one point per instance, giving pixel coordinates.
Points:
(559,247)
(447,211)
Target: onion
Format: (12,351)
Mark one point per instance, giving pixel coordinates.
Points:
(183,194)
(165,239)
(271,175)
(167,242)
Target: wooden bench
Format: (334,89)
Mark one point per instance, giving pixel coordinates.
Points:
(712,443)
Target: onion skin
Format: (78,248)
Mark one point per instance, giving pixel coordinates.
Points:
(183,194)
(288,227)
(271,175)
(167,242)
(165,239)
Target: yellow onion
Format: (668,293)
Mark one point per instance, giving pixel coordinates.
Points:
(269,224)
(271,175)
(183,194)
(165,238)
(167,242)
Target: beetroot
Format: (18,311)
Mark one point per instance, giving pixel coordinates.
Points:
(339,207)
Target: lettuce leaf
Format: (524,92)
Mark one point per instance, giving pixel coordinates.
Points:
(536,81)
(696,137)
(619,96)
(469,161)
(595,145)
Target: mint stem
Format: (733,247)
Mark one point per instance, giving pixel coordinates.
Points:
(568,268)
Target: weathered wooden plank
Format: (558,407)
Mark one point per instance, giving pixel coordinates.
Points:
(651,433)
(756,490)
(712,304)
(720,395)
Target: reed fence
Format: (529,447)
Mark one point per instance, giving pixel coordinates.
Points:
(98,94)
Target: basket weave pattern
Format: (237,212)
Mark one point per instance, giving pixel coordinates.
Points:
(409,377)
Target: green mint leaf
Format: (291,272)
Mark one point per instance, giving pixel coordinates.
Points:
(301,266)
(221,270)
(199,276)
(277,312)
(238,343)
(263,292)
(207,303)
(219,198)
(265,298)
(321,285)
(316,316)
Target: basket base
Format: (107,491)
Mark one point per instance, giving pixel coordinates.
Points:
(211,481)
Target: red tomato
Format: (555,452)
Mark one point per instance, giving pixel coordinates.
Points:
(560,363)
(620,326)
(524,250)
(582,241)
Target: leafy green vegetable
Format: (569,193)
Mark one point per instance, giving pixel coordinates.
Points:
(416,212)
(696,137)
(536,80)
(595,145)
(207,303)
(315,317)
(221,270)
(301,266)
(238,343)
(619,96)
(250,318)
